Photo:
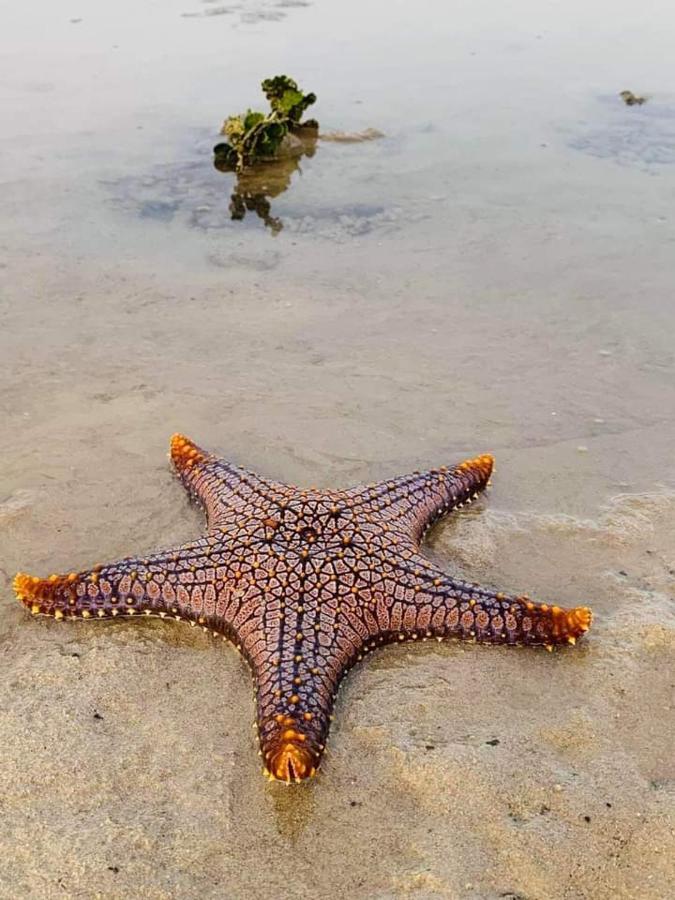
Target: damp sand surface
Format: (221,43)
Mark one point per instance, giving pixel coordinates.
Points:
(494,274)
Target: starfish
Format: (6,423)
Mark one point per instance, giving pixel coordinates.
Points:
(304,583)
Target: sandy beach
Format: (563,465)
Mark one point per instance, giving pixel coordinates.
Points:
(494,275)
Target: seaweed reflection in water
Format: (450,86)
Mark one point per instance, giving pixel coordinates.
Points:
(254,187)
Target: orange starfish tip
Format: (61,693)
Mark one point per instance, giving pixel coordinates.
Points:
(570,624)
(24,586)
(44,595)
(291,763)
(581,618)
(184,452)
(481,465)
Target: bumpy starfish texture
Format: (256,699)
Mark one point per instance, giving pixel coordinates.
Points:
(304,583)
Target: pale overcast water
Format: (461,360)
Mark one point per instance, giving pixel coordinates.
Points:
(494,274)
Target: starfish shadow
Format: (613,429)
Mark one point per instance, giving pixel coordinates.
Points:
(292,809)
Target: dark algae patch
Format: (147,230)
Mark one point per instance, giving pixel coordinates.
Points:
(631,99)
(642,136)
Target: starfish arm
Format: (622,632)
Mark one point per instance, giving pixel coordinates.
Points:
(424,602)
(294,713)
(220,487)
(416,501)
(299,654)
(177,583)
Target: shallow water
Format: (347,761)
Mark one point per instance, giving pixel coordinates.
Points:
(495,273)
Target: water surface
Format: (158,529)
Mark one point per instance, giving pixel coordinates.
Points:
(494,274)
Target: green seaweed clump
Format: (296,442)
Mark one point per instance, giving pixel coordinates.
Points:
(255,136)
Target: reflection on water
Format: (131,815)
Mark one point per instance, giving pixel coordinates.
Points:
(255,186)
(191,193)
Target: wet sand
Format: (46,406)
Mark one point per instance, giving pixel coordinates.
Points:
(496,275)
